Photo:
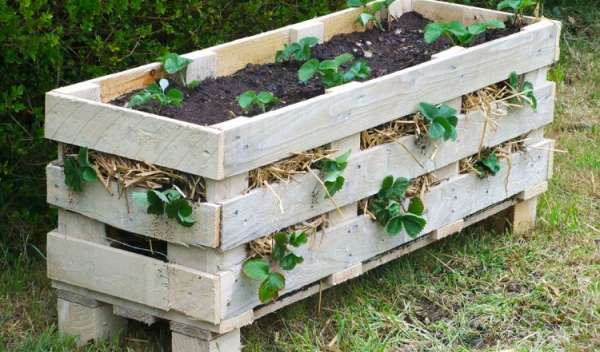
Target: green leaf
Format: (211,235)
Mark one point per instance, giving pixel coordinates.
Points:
(256,269)
(356,3)
(445,111)
(509,4)
(157,202)
(193,84)
(393,208)
(428,111)
(488,165)
(246,99)
(387,183)
(83,157)
(308,70)
(175,96)
(413,224)
(495,24)
(298,238)
(399,188)
(141,198)
(335,186)
(308,41)
(173,63)
(342,160)
(394,226)
(344,58)
(270,287)
(139,99)
(432,32)
(477,28)
(364,19)
(416,206)
(73,177)
(289,261)
(88,174)
(265,97)
(436,130)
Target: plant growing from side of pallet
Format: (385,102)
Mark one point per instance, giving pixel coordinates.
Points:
(171,201)
(370,15)
(487,165)
(441,121)
(388,208)
(299,51)
(332,170)
(458,33)
(261,100)
(518,8)
(78,170)
(265,270)
(331,72)
(158,92)
(522,91)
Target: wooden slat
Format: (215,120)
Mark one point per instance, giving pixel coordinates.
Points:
(338,248)
(447,12)
(97,203)
(133,277)
(257,213)
(311,123)
(133,134)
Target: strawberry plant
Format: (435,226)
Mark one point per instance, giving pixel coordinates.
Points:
(330,70)
(264,270)
(299,51)
(158,92)
(261,100)
(390,212)
(440,120)
(487,165)
(171,201)
(518,7)
(78,170)
(522,90)
(458,33)
(173,63)
(370,14)
(332,170)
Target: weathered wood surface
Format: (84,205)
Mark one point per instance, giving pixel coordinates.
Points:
(247,217)
(311,123)
(88,323)
(96,202)
(225,151)
(357,240)
(133,277)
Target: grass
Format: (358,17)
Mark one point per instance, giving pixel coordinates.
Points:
(476,291)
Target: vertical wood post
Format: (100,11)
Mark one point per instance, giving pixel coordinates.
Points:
(186,338)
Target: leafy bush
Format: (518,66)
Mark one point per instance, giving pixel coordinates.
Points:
(47,44)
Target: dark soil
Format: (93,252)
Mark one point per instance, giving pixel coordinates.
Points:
(401,46)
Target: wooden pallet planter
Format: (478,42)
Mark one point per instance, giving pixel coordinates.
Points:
(197,284)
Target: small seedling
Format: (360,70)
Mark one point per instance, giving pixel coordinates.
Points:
(264,270)
(158,92)
(261,100)
(173,63)
(518,7)
(370,14)
(487,165)
(389,211)
(441,121)
(299,51)
(79,170)
(330,70)
(522,90)
(171,201)
(458,33)
(332,170)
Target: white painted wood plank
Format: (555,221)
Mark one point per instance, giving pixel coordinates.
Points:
(311,123)
(257,213)
(360,239)
(134,134)
(97,203)
(133,277)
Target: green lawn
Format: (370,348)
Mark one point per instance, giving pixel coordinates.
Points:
(475,291)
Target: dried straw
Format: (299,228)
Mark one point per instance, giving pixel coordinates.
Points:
(128,173)
(392,131)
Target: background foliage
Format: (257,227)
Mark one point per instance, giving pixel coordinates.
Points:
(48,44)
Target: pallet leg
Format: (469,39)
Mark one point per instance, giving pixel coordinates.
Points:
(93,321)
(189,339)
(523,216)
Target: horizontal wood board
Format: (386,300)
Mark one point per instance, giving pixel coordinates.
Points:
(97,203)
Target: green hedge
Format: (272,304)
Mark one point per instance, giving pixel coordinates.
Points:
(47,44)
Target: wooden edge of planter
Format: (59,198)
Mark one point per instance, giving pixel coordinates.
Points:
(133,277)
(303,198)
(109,207)
(342,247)
(134,134)
(277,134)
